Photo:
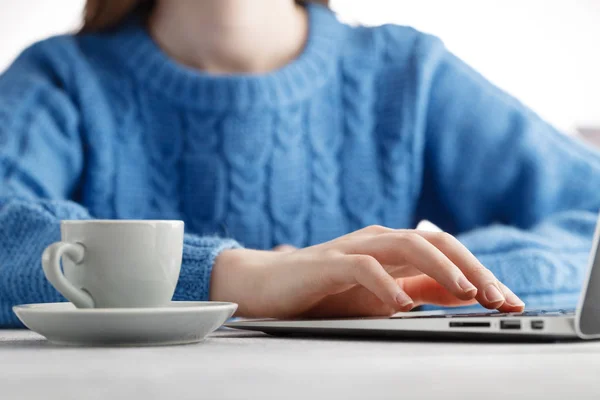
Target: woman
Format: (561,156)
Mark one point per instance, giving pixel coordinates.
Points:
(270,123)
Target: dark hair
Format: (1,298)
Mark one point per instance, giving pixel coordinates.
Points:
(99,15)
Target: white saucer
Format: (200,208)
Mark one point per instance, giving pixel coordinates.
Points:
(180,322)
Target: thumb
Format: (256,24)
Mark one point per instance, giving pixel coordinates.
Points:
(425,290)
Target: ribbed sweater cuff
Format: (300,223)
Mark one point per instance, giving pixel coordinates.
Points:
(199,254)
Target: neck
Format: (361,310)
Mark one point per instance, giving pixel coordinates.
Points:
(230,36)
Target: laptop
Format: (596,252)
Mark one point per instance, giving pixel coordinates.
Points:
(581,323)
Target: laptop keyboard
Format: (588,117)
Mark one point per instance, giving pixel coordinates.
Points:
(526,313)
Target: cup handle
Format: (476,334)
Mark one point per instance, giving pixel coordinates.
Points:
(53,271)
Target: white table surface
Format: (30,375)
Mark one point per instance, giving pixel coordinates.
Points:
(245,365)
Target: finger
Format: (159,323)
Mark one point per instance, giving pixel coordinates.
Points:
(367,271)
(407,247)
(489,291)
(513,303)
(402,271)
(426,290)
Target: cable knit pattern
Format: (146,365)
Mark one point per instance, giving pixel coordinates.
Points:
(205,175)
(131,186)
(360,158)
(247,144)
(163,141)
(327,219)
(367,126)
(288,186)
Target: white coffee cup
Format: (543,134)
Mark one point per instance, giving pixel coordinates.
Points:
(116,263)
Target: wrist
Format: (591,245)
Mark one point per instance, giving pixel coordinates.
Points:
(235,278)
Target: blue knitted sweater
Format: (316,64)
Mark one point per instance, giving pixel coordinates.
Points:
(367,126)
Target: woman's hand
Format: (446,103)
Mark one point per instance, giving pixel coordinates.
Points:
(371,272)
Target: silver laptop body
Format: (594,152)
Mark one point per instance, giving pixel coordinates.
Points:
(582,323)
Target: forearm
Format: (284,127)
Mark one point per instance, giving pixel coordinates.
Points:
(26,228)
(488,159)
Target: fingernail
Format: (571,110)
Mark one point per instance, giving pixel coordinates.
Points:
(492,294)
(465,285)
(513,300)
(403,300)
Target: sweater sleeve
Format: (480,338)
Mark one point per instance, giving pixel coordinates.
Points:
(519,194)
(41,162)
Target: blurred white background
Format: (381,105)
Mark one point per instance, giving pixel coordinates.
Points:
(545,52)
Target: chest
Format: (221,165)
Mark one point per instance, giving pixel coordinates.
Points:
(300,174)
